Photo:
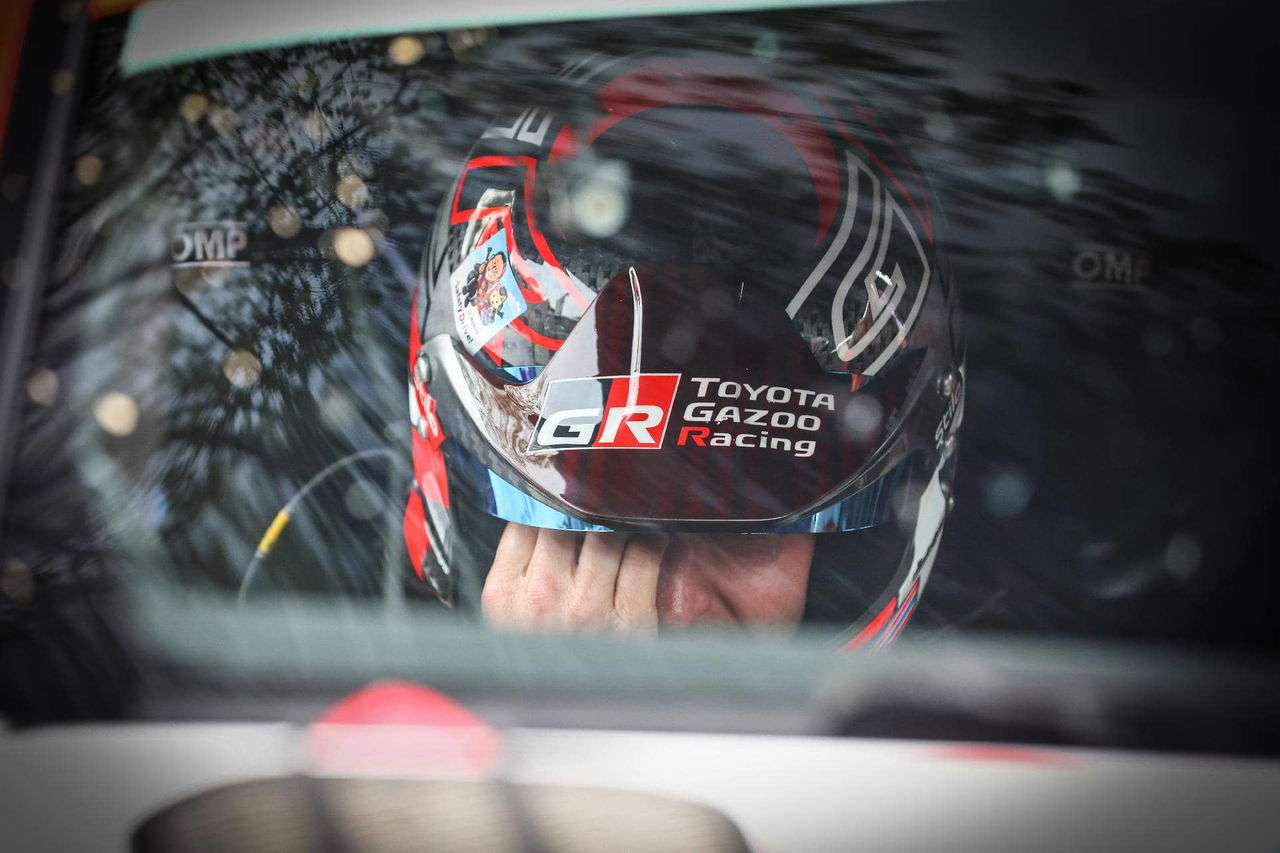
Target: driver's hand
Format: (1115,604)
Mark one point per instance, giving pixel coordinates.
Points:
(562,580)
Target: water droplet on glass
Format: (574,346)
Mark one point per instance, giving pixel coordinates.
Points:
(1182,557)
(1008,493)
(363,500)
(679,345)
(939,126)
(1062,179)
(862,416)
(601,206)
(767,47)
(716,304)
(338,409)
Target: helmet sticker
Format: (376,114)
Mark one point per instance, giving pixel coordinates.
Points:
(751,417)
(486,298)
(613,412)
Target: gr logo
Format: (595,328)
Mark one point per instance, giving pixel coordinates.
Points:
(628,412)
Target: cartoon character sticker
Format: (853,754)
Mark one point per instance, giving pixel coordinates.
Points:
(486,298)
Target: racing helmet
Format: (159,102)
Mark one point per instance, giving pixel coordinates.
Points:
(689,293)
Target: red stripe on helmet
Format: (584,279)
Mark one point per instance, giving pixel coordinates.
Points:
(415,531)
(873,627)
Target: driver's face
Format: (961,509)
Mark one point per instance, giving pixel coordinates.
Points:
(734,578)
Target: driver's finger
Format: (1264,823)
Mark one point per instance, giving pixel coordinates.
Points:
(595,578)
(635,599)
(506,573)
(549,576)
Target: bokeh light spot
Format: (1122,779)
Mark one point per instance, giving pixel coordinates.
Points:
(17,583)
(61,82)
(42,386)
(315,125)
(241,368)
(117,413)
(223,120)
(193,107)
(462,42)
(353,192)
(353,246)
(89,170)
(284,221)
(406,50)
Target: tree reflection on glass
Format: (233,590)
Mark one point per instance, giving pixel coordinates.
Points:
(250,380)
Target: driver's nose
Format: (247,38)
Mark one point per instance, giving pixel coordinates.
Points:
(685,595)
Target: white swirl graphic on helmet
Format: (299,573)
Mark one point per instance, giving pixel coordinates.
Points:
(866,325)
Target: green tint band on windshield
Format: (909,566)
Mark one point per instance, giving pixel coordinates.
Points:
(172,32)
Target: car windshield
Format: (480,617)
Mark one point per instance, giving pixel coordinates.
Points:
(342,339)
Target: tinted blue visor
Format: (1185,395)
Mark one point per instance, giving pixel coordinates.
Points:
(876,504)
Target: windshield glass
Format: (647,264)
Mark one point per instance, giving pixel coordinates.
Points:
(820,323)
